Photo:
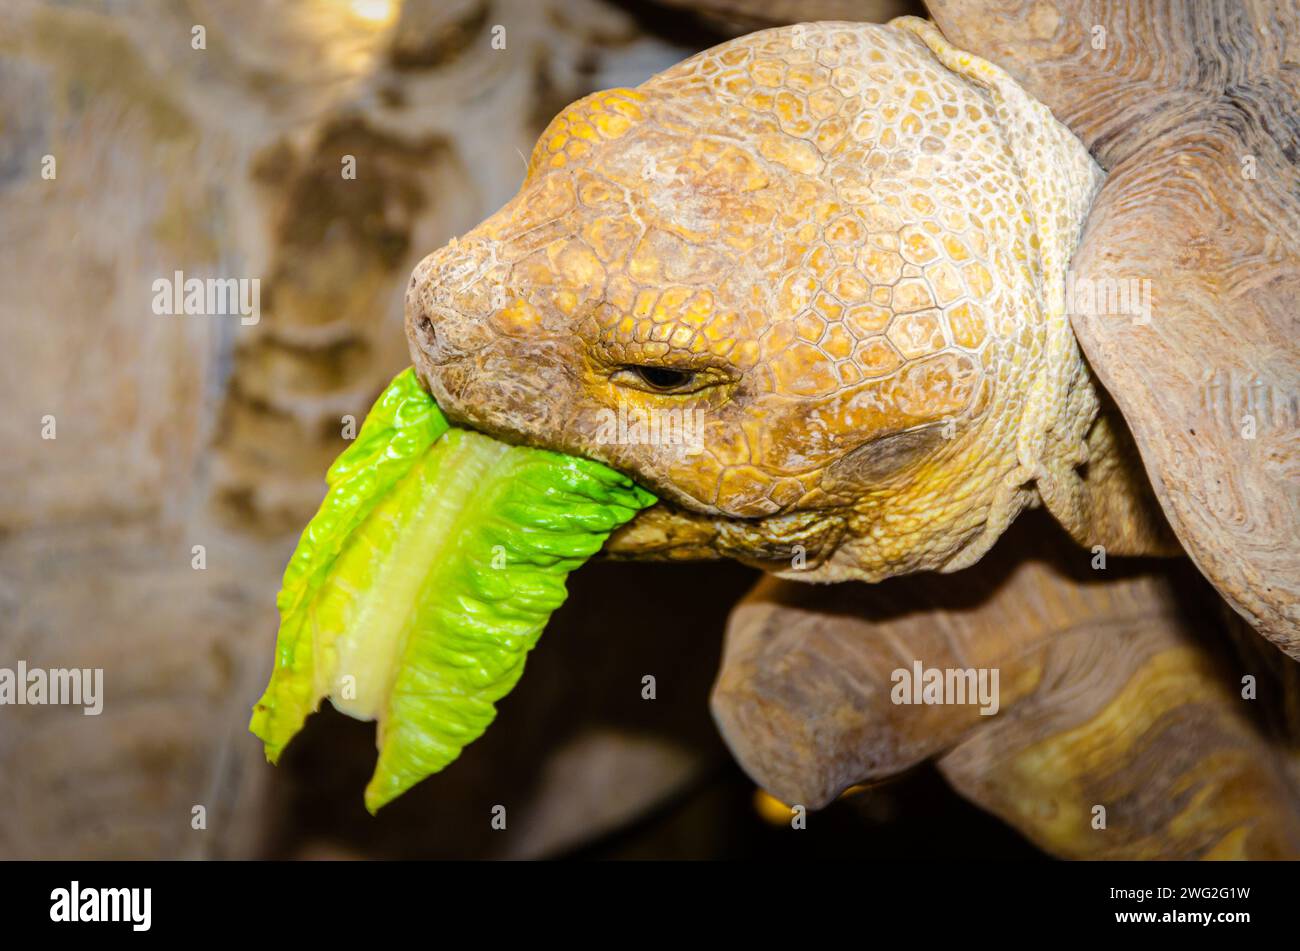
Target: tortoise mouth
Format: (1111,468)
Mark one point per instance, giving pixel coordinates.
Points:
(678,527)
(666,531)
(499,426)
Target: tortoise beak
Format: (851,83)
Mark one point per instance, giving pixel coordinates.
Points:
(665,532)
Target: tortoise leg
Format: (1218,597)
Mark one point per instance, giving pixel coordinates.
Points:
(1137,744)
(1105,698)
(804,694)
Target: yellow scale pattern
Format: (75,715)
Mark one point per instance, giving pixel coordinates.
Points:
(850,233)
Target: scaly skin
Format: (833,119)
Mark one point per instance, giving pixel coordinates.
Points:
(851,241)
(853,238)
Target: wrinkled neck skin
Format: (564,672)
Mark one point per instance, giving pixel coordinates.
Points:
(1001,412)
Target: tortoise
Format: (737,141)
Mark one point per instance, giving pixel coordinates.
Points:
(885,300)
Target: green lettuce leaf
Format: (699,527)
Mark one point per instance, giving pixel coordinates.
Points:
(428,574)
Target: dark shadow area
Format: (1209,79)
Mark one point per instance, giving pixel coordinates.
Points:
(623,621)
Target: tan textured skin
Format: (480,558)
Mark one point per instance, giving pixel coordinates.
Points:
(1110,694)
(1193,109)
(853,238)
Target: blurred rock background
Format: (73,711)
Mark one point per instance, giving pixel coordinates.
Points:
(210,137)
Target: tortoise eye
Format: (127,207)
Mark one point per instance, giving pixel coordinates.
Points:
(662,378)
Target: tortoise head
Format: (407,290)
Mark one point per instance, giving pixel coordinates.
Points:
(798,287)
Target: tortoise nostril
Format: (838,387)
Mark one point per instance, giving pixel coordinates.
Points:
(433,336)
